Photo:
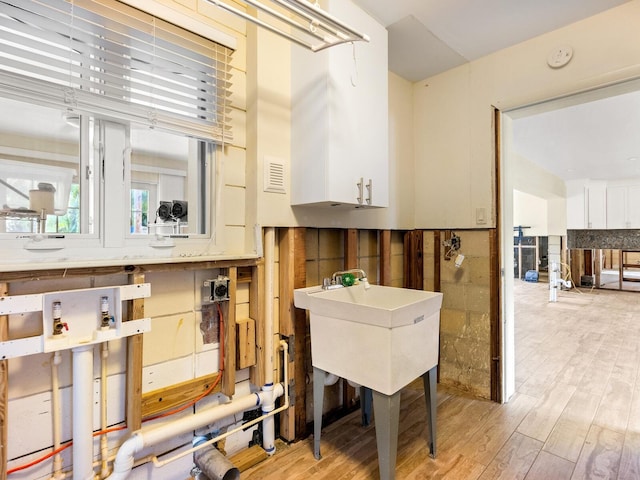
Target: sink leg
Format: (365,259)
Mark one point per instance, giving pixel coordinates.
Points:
(318,399)
(387,411)
(365,405)
(430,395)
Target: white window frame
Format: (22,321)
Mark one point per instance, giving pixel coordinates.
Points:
(110,240)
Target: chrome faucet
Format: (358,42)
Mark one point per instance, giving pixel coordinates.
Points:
(359,274)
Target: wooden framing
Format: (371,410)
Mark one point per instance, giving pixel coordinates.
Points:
(437,244)
(229,311)
(4,389)
(385,257)
(495,278)
(135,311)
(59,273)
(414,260)
(293,324)
(494,316)
(163,399)
(256,311)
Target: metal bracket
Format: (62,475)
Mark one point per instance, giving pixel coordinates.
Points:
(292,347)
(292,393)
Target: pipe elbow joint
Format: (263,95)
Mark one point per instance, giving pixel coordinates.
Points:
(125,457)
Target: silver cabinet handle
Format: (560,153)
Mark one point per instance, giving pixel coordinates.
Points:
(369,192)
(360,190)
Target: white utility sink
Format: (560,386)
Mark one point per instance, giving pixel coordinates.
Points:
(381,337)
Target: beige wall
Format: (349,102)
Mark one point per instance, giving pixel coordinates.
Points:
(465,327)
(453,110)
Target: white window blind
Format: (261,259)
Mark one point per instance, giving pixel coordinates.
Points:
(106,58)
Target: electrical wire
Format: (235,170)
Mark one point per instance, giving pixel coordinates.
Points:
(163,415)
(208,390)
(62,448)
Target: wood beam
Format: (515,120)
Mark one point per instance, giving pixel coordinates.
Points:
(256,311)
(58,273)
(293,324)
(575,264)
(495,315)
(385,257)
(229,311)
(174,396)
(437,255)
(4,390)
(135,311)
(351,249)
(413,260)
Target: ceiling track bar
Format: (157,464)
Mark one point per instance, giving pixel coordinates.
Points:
(314,13)
(304,13)
(287,20)
(260,23)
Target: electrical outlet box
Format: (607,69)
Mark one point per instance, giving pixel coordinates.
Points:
(217,290)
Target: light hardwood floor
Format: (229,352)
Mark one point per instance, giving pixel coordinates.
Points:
(575,415)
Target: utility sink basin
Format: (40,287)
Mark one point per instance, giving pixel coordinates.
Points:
(381,337)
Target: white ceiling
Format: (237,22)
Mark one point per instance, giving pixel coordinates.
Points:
(597,140)
(427,37)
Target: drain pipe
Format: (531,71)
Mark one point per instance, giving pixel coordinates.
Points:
(149,436)
(83,412)
(268,426)
(330,379)
(213,463)
(104,448)
(266,397)
(56,414)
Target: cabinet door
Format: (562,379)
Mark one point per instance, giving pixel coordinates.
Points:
(617,207)
(576,206)
(597,206)
(633,207)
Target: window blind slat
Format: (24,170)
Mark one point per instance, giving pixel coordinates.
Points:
(111,59)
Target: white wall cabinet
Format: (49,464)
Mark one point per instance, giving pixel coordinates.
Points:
(586,204)
(623,206)
(339,145)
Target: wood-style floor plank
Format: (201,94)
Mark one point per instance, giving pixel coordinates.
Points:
(514,460)
(600,456)
(571,429)
(548,466)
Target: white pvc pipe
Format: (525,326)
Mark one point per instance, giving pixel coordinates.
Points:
(553,283)
(148,436)
(104,448)
(278,390)
(330,379)
(269,267)
(56,416)
(83,412)
(268,426)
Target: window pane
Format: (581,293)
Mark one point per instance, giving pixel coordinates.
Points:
(39,167)
(170,183)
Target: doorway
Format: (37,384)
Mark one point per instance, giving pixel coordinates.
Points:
(550,167)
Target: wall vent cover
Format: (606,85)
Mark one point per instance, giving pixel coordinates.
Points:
(274,175)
